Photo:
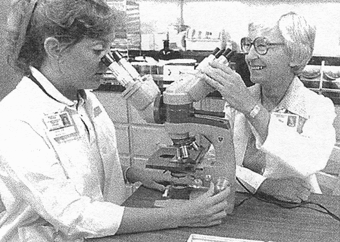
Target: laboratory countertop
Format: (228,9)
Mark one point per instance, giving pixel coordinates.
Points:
(252,219)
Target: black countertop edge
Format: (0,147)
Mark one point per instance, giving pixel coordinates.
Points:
(108,87)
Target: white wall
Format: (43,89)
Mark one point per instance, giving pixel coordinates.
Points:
(234,16)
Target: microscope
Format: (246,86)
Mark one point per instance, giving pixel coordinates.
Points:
(192,131)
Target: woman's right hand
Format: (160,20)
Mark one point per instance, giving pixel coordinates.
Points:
(206,210)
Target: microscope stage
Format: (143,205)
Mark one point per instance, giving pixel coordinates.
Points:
(165,159)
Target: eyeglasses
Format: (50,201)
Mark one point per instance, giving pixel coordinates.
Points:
(261,45)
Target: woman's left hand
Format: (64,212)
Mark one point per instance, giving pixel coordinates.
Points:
(154,179)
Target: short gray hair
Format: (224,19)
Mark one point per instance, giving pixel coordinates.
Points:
(298,36)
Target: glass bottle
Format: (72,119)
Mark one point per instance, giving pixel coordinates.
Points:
(166,53)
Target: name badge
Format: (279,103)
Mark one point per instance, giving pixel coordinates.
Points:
(290,120)
(60,126)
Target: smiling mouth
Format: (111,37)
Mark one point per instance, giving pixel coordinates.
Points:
(255,67)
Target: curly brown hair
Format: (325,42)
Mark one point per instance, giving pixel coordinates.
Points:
(69,21)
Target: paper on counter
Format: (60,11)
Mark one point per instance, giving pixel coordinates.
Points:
(209,238)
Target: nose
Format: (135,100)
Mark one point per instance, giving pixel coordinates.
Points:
(252,54)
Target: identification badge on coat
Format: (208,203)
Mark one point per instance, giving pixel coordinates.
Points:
(60,126)
(288,119)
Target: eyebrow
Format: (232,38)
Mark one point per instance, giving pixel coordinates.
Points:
(100,39)
(96,41)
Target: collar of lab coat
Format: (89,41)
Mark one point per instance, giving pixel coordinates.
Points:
(50,89)
(293,101)
(82,101)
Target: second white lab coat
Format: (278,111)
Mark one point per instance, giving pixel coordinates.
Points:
(286,152)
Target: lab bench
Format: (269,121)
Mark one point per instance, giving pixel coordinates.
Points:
(251,220)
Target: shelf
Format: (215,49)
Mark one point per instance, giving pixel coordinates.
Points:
(322,90)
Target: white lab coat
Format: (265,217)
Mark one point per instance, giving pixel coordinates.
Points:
(57,184)
(286,152)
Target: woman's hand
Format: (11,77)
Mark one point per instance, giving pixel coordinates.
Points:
(206,210)
(230,85)
(154,179)
(289,189)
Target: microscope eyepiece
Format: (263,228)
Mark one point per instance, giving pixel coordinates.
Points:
(230,54)
(116,55)
(216,50)
(226,52)
(219,53)
(107,60)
